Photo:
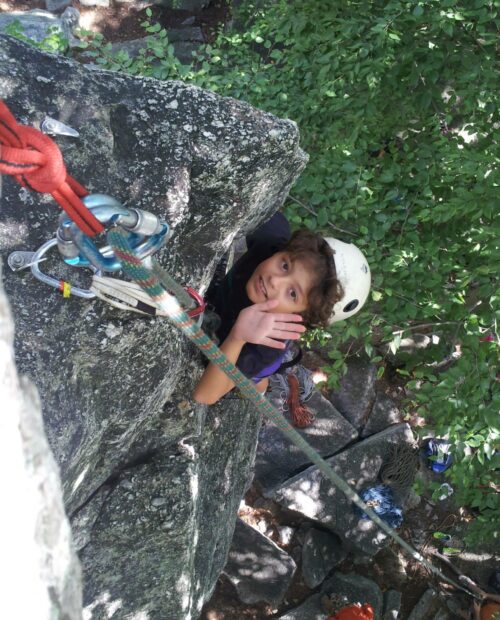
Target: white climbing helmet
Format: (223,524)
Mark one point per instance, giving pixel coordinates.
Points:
(353,273)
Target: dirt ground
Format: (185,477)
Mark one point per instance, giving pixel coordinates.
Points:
(392,568)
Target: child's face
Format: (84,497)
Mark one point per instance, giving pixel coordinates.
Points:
(281,278)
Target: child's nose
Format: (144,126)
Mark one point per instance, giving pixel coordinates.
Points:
(277,282)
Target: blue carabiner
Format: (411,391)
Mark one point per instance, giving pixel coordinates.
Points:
(146,233)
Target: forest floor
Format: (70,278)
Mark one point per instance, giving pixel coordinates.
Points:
(121,22)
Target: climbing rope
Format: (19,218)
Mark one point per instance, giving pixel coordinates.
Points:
(36,162)
(148,281)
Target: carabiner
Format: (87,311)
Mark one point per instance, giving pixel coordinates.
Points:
(146,233)
(200,303)
(65,288)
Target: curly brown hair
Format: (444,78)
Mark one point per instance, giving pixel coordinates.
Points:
(326,290)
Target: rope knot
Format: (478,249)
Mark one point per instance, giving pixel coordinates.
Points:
(41,161)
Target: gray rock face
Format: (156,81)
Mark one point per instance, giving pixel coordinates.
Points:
(35,534)
(257,567)
(310,494)
(356,395)
(38,24)
(278,459)
(143,535)
(321,552)
(115,388)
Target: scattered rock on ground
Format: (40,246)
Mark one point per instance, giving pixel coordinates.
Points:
(259,569)
(321,552)
(392,604)
(383,414)
(38,24)
(54,6)
(426,606)
(313,496)
(311,609)
(356,395)
(278,459)
(184,5)
(353,588)
(342,590)
(185,41)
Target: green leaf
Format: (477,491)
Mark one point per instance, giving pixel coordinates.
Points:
(322,216)
(418,11)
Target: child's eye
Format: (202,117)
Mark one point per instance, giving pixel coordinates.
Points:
(284,265)
(293,294)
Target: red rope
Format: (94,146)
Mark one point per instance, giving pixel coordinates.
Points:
(36,162)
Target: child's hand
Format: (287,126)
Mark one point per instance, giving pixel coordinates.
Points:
(259,325)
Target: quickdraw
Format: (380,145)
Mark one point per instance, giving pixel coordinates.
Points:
(130,296)
(35,161)
(145,232)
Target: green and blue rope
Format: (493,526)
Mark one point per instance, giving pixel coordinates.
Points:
(150,283)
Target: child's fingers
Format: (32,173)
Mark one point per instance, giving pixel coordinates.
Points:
(289,327)
(274,344)
(285,335)
(288,318)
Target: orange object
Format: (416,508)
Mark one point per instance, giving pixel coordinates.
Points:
(35,161)
(355,612)
(301,415)
(490,611)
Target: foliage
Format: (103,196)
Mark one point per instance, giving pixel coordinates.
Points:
(155,59)
(398,112)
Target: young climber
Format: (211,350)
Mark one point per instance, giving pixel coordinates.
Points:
(281,284)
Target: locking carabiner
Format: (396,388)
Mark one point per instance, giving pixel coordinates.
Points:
(147,234)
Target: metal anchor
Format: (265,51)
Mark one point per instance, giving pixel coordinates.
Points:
(21,260)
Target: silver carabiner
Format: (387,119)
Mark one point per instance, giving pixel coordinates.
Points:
(43,277)
(147,233)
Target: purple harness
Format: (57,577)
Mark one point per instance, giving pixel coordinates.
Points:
(271,369)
